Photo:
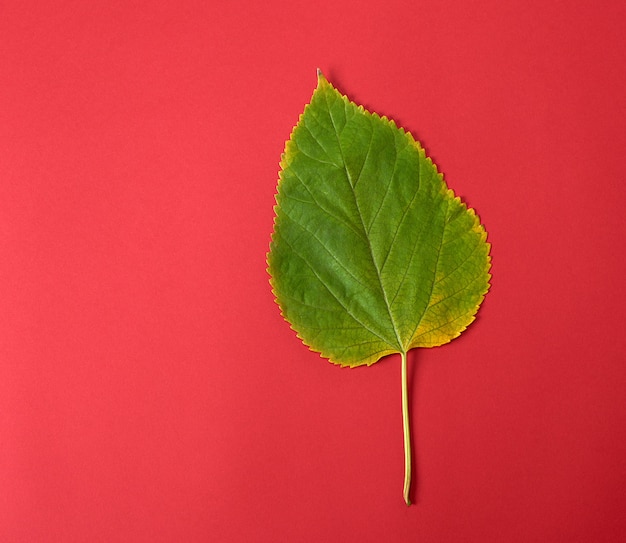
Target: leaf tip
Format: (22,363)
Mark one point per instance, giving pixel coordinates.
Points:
(321,78)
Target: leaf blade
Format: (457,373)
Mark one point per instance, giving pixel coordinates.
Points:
(370,247)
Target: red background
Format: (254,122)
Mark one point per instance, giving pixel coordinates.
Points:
(149,389)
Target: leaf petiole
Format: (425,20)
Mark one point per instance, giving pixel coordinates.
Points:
(407,430)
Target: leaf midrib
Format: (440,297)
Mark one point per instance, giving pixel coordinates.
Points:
(400,346)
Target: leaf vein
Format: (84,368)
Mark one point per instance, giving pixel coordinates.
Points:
(432,285)
(367,154)
(334,295)
(395,235)
(414,249)
(447,323)
(452,295)
(369,243)
(463,262)
(382,201)
(315,159)
(330,214)
(323,246)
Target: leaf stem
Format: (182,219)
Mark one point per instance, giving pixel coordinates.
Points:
(407,430)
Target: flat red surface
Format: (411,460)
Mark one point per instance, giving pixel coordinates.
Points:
(149,389)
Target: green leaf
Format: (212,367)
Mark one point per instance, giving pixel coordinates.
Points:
(371,253)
